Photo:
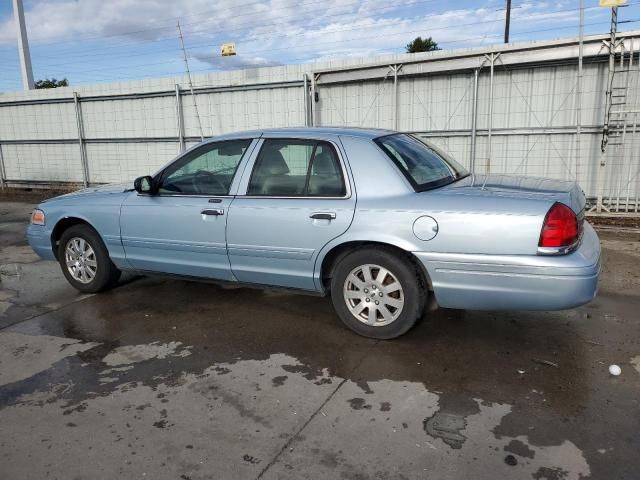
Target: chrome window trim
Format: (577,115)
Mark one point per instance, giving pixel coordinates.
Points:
(336,147)
(184,195)
(294,198)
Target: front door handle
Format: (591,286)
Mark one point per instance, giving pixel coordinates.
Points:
(323,216)
(213,211)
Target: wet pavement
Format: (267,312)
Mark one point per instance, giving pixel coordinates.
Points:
(180,380)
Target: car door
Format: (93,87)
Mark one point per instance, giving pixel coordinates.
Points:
(180,229)
(297,198)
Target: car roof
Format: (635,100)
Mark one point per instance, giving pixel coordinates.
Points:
(369,133)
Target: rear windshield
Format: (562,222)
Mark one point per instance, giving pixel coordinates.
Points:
(423,164)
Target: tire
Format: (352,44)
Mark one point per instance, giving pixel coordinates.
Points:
(105,274)
(403,294)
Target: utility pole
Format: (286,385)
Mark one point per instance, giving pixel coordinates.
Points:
(193,96)
(507,21)
(579,86)
(23,46)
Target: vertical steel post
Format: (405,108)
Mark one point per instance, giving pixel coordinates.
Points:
(305,96)
(474,120)
(83,151)
(492,59)
(507,21)
(633,149)
(313,99)
(395,97)
(23,46)
(3,177)
(180,117)
(579,88)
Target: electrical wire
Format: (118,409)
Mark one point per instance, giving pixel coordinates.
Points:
(303,59)
(315,43)
(280,24)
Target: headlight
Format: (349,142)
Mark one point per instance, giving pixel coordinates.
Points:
(37,217)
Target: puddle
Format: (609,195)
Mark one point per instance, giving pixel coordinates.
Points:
(23,356)
(140,353)
(447,427)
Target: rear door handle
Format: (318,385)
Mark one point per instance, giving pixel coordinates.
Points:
(323,216)
(212,211)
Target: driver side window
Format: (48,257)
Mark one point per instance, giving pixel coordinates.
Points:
(208,170)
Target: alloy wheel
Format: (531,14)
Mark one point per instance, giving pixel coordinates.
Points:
(373,295)
(80,260)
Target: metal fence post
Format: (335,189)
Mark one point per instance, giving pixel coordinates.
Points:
(314,78)
(474,120)
(3,177)
(395,69)
(180,118)
(492,59)
(578,99)
(81,144)
(305,98)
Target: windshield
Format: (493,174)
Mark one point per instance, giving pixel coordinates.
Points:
(424,165)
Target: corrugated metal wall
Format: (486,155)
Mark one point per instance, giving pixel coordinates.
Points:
(525,124)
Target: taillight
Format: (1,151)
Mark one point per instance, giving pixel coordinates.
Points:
(561,227)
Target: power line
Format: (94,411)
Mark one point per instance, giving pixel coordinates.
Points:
(303,59)
(362,27)
(271,37)
(227,31)
(227,17)
(280,23)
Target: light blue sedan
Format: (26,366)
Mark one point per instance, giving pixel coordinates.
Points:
(380,220)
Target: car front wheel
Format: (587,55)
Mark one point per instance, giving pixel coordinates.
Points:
(377,293)
(85,261)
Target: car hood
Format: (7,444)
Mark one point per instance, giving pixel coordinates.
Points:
(511,186)
(101,190)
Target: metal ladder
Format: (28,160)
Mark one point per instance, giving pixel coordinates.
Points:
(616,110)
(617,96)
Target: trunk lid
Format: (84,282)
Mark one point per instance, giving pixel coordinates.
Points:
(511,186)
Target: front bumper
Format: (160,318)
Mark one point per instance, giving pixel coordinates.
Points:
(39,239)
(516,282)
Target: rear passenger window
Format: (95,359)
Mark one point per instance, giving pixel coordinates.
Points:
(296,168)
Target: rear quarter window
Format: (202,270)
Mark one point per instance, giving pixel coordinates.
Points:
(421,163)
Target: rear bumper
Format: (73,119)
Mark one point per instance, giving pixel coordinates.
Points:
(516,282)
(39,239)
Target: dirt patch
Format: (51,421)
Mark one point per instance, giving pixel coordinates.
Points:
(34,195)
(614,221)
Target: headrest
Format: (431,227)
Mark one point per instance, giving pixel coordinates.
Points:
(323,164)
(273,163)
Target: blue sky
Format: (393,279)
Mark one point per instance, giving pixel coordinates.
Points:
(91,41)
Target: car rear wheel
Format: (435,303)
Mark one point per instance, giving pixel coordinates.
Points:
(377,293)
(85,261)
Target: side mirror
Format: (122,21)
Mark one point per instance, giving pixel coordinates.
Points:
(143,184)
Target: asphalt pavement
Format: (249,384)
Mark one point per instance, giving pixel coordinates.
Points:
(168,379)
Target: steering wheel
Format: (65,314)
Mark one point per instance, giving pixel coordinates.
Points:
(203,176)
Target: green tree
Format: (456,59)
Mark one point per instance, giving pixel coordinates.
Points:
(420,44)
(52,83)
